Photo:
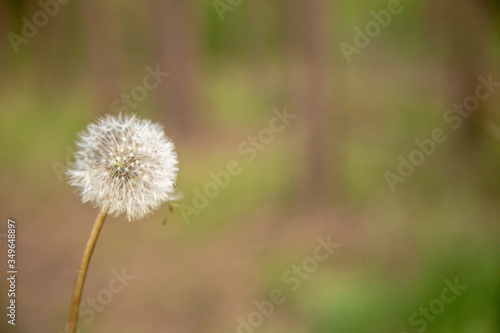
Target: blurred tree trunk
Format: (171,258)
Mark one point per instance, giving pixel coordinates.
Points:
(51,54)
(176,24)
(470,29)
(5,28)
(101,29)
(312,98)
(460,32)
(256,39)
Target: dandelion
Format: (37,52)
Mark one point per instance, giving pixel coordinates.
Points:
(124,165)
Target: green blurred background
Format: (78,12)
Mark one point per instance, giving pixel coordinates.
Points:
(230,64)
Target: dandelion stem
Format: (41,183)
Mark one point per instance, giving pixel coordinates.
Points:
(82,272)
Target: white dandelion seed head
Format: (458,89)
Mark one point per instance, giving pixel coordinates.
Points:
(124,165)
